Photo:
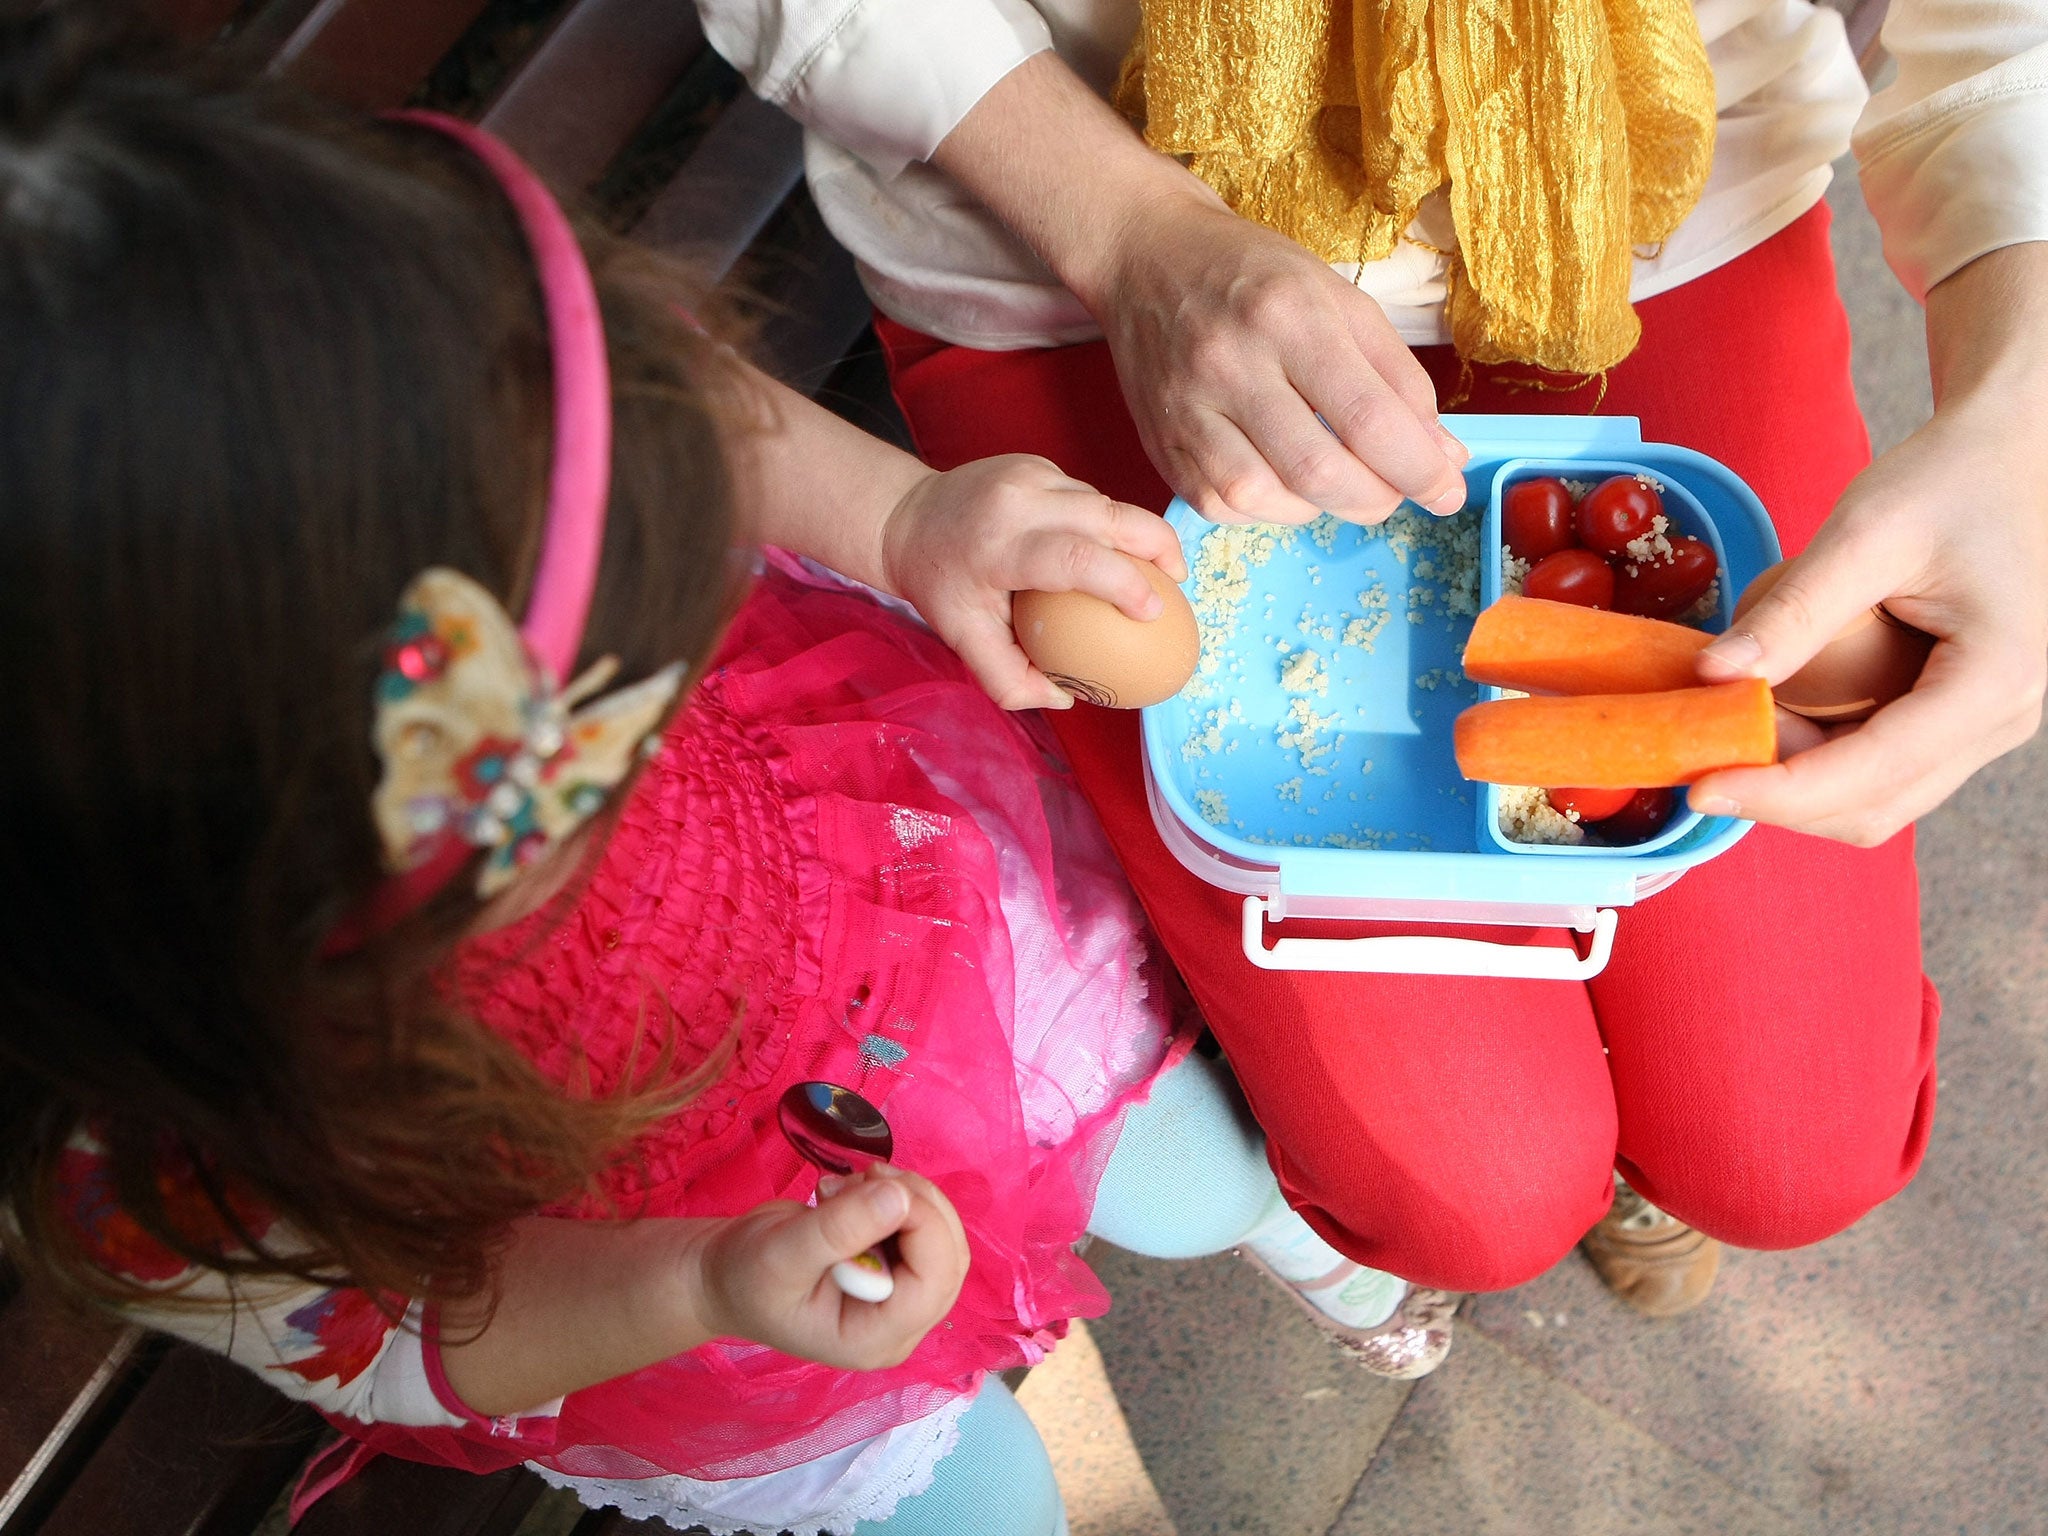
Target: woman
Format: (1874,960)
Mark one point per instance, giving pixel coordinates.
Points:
(1758,1058)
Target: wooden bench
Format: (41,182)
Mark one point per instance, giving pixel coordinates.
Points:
(104,1432)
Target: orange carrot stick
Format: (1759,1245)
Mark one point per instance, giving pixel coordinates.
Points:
(1619,740)
(1544,647)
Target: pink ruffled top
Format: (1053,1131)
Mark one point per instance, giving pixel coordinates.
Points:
(848,863)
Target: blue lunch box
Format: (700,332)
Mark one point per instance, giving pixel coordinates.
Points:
(1309,768)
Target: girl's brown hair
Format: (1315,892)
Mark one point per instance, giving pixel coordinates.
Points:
(262,365)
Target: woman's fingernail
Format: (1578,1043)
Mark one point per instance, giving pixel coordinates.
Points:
(829,1184)
(1713,805)
(1455,450)
(1152,607)
(885,1170)
(1738,651)
(1448,503)
(889,1202)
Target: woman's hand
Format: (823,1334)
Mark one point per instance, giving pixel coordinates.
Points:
(1229,339)
(1950,531)
(765,1276)
(958,544)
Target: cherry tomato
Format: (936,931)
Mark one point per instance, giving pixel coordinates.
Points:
(1658,589)
(1590,804)
(1615,512)
(1536,518)
(1572,576)
(1640,820)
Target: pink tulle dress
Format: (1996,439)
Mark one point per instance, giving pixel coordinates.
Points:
(846,859)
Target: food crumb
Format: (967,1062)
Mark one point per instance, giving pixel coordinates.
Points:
(1706,610)
(1214,807)
(1304,673)
(1206,737)
(1652,545)
(1289,790)
(1527,816)
(1302,732)
(1363,631)
(1366,838)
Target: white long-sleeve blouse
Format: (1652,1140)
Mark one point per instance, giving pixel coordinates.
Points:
(1953,153)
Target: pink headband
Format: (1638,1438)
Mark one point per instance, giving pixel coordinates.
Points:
(579,481)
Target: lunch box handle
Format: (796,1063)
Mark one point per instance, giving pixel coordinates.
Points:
(1422,954)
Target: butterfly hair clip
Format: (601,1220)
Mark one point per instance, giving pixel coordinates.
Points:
(481,749)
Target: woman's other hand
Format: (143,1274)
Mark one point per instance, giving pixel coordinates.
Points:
(766,1276)
(1950,531)
(1229,339)
(958,544)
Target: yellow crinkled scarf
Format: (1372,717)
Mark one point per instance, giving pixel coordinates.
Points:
(1569,132)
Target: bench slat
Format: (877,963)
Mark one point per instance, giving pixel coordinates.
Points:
(194,20)
(821,312)
(203,1450)
(47,1354)
(593,82)
(64,1378)
(367,53)
(409,1498)
(729,188)
(1864,20)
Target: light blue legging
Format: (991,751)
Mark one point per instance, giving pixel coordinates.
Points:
(1194,1132)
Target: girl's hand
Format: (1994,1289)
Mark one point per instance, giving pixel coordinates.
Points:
(1230,341)
(765,1276)
(958,544)
(1950,531)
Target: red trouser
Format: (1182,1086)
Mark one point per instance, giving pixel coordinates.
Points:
(1768,1073)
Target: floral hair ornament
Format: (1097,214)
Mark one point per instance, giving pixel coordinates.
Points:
(482,746)
(477,742)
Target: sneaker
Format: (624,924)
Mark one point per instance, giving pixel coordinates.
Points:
(1653,1261)
(1388,1326)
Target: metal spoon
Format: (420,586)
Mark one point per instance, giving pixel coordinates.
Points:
(838,1131)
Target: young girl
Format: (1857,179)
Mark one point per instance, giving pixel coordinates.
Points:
(444,842)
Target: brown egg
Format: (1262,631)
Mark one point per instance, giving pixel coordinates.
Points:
(1091,649)
(1874,659)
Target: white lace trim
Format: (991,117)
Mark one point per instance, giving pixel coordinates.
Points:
(825,1497)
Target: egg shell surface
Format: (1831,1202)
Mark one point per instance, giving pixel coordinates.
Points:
(1096,652)
(1872,660)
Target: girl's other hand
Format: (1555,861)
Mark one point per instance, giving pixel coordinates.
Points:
(958,544)
(765,1276)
